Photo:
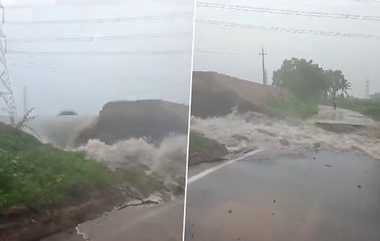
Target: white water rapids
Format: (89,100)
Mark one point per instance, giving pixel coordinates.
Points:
(167,158)
(240,131)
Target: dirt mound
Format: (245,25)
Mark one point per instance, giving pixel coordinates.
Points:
(151,119)
(217,94)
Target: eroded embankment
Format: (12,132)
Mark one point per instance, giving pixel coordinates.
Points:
(32,226)
(142,169)
(162,165)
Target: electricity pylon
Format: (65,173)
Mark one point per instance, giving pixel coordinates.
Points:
(7,99)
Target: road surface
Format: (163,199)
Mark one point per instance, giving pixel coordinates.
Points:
(327,114)
(144,223)
(313,197)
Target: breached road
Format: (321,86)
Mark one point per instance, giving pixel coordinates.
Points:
(308,184)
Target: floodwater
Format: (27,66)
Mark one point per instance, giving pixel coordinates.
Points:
(329,196)
(246,131)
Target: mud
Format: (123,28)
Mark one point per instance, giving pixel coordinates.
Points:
(35,226)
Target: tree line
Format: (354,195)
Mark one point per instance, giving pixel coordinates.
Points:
(310,82)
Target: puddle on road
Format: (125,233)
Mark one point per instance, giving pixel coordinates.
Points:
(335,196)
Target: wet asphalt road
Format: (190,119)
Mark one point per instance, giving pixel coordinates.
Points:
(318,197)
(153,223)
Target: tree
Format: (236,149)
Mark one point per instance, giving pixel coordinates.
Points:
(337,84)
(308,81)
(67,113)
(375,96)
(303,78)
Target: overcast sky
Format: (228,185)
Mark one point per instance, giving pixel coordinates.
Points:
(358,58)
(85,82)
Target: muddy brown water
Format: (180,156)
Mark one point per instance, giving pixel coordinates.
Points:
(320,197)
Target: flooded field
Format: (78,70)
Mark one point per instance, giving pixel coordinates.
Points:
(313,197)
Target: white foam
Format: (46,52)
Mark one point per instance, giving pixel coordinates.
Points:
(168,158)
(239,131)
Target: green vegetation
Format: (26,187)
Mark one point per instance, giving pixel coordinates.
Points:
(306,80)
(368,107)
(310,82)
(375,97)
(310,85)
(198,142)
(203,149)
(293,107)
(36,176)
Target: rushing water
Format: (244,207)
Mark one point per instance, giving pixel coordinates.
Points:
(168,158)
(318,197)
(239,131)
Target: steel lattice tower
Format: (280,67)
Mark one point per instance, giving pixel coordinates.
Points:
(7,100)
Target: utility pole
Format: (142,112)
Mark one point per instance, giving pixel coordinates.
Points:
(263,53)
(25,100)
(367,91)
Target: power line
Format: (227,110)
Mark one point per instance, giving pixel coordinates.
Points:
(86,4)
(66,4)
(289,30)
(91,53)
(367,1)
(217,52)
(317,14)
(169,16)
(96,38)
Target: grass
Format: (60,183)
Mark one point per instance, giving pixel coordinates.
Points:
(291,106)
(367,107)
(203,149)
(198,142)
(38,176)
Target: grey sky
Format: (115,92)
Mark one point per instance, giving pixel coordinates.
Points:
(357,58)
(86,82)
